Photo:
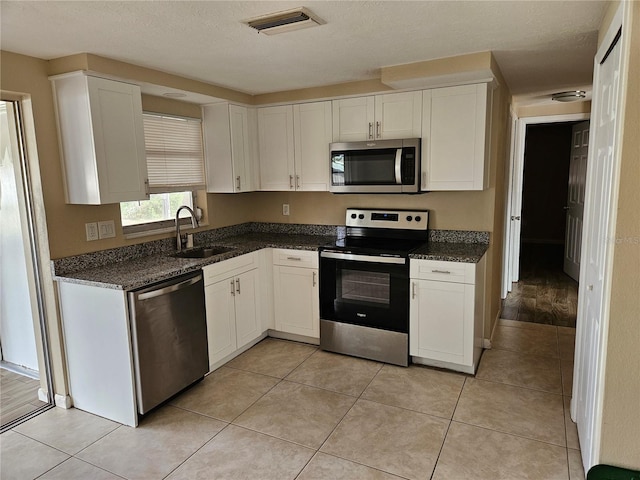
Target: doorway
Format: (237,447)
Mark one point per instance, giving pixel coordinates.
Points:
(544,292)
(24,368)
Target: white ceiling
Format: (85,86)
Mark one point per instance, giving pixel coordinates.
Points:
(539,45)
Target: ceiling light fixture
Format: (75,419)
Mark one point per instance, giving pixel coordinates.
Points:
(174,95)
(570,96)
(285,21)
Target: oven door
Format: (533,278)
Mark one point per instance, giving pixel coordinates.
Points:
(367,290)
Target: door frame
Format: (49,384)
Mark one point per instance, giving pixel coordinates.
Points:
(515,176)
(46,330)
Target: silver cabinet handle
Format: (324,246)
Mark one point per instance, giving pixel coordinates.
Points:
(238,285)
(314,279)
(413,290)
(233,291)
(291,182)
(146,187)
(297,182)
(441,271)
(515,218)
(297,259)
(371,130)
(378,125)
(238,182)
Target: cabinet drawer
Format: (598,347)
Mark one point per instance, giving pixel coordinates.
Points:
(229,268)
(453,272)
(295,258)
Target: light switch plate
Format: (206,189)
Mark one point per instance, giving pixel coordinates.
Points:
(92,231)
(107,229)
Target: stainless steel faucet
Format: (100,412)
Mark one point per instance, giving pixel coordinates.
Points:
(194,223)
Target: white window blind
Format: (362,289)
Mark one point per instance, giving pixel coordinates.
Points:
(175,160)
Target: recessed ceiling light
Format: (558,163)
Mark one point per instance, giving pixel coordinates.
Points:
(174,95)
(285,21)
(570,96)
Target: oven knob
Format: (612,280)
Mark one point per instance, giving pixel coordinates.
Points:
(361,216)
(418,218)
(409,218)
(353,215)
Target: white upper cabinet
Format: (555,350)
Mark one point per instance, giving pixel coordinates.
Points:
(312,136)
(294,146)
(228,133)
(101,139)
(275,139)
(456,125)
(379,117)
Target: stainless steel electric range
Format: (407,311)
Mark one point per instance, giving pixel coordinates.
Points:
(364,284)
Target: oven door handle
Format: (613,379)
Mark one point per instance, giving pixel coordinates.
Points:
(363,258)
(399,166)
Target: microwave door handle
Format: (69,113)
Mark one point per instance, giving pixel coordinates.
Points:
(399,166)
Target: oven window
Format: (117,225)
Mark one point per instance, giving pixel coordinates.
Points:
(357,286)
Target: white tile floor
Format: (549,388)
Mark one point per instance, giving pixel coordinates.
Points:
(285,410)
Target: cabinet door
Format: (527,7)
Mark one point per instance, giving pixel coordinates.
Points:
(353,119)
(275,138)
(116,116)
(221,319)
(312,135)
(455,123)
(227,148)
(248,325)
(240,149)
(296,300)
(441,321)
(398,115)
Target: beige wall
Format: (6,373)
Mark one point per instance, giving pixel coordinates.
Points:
(620,441)
(556,108)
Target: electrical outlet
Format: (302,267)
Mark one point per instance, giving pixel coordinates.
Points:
(285,209)
(106,229)
(92,231)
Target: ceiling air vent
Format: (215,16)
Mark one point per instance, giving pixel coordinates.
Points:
(285,21)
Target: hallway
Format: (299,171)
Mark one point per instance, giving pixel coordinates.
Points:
(544,294)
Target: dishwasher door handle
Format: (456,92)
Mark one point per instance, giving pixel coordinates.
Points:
(169,288)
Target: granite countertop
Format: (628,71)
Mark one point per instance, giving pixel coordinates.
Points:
(129,268)
(138,272)
(451,252)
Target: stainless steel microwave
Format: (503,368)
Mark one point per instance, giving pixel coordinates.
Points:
(383,166)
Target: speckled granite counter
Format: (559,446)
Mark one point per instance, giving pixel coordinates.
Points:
(134,273)
(131,267)
(451,252)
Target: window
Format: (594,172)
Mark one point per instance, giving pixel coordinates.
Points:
(175,166)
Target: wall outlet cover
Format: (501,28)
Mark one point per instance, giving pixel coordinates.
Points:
(92,231)
(285,209)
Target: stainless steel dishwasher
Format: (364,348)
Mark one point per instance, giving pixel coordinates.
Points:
(169,337)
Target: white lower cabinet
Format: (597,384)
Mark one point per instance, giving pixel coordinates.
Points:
(296,292)
(233,306)
(446,313)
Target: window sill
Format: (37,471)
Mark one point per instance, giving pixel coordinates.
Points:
(159,231)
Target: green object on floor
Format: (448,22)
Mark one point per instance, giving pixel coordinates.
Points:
(607,472)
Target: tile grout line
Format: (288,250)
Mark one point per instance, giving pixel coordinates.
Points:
(446,433)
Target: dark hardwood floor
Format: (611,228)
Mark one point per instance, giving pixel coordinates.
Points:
(544,294)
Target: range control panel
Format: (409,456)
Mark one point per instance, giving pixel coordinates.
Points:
(400,219)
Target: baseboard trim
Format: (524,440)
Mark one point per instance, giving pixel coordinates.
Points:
(488,342)
(63,401)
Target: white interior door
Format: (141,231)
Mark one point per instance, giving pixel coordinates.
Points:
(592,311)
(575,199)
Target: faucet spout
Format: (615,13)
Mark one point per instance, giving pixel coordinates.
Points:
(194,224)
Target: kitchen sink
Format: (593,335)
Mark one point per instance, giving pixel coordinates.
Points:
(202,252)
